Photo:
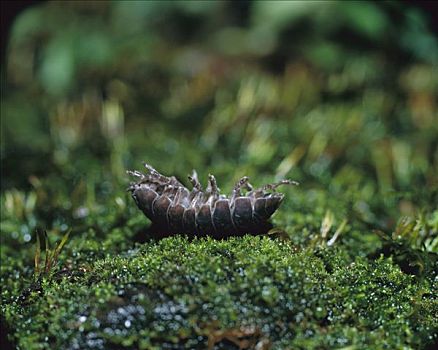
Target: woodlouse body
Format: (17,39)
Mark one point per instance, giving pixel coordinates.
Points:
(175,209)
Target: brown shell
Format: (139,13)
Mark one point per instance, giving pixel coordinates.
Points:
(173,208)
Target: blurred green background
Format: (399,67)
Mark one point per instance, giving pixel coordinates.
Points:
(340,96)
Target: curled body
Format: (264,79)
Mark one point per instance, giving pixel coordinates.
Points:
(173,208)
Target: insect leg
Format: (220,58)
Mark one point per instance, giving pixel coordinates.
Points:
(242,183)
(239,184)
(197,200)
(273,187)
(142,179)
(248,186)
(212,190)
(212,184)
(170,191)
(156,175)
(194,180)
(136,174)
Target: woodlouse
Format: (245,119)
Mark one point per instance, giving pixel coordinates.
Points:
(174,209)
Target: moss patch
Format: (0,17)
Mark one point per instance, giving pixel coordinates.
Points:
(179,293)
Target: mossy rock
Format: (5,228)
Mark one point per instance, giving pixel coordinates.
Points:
(250,291)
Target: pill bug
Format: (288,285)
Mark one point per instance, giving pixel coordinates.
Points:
(173,208)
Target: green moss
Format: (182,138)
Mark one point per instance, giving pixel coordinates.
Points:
(177,291)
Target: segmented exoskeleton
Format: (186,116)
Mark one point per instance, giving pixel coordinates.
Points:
(175,209)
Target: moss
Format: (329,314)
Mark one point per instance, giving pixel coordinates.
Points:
(176,292)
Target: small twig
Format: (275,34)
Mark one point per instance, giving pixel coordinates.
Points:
(37,253)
